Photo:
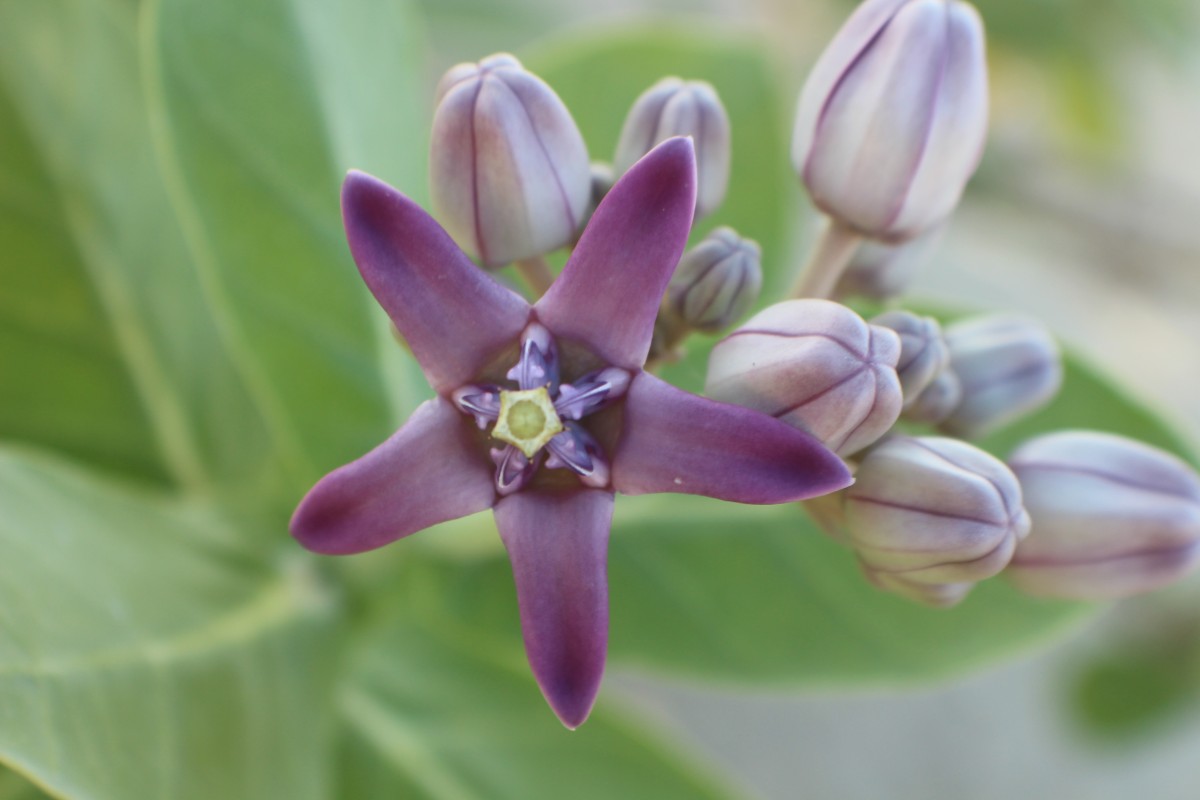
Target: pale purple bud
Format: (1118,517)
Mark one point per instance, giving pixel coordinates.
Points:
(816,365)
(933,511)
(883,270)
(716,281)
(509,172)
(923,352)
(1112,517)
(673,107)
(1008,366)
(892,119)
(939,595)
(939,399)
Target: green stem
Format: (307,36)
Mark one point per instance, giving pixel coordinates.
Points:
(835,247)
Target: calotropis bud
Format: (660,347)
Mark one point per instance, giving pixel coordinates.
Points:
(816,365)
(923,353)
(884,270)
(509,172)
(937,401)
(716,281)
(1112,517)
(1008,366)
(673,107)
(927,513)
(892,119)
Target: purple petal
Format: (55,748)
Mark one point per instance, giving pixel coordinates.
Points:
(429,471)
(558,545)
(453,316)
(673,441)
(609,292)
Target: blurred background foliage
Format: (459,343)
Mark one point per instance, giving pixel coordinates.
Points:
(184,347)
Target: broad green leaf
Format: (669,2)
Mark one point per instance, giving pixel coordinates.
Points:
(71,69)
(145,654)
(600,76)
(65,382)
(758,594)
(15,787)
(430,716)
(258,109)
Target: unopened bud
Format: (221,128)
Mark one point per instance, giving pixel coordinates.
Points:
(937,401)
(673,107)
(816,365)
(927,513)
(923,353)
(892,119)
(716,281)
(1112,517)
(1008,365)
(883,270)
(509,172)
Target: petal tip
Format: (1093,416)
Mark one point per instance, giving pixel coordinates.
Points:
(312,522)
(573,711)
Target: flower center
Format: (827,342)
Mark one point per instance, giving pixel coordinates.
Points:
(543,413)
(527,420)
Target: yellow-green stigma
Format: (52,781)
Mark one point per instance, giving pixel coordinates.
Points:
(527,420)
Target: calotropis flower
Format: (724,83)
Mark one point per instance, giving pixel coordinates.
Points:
(543,412)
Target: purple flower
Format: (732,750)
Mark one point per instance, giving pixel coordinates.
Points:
(544,412)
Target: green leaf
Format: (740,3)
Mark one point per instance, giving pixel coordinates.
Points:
(144,654)
(599,76)
(759,594)
(14,787)
(258,109)
(107,231)
(430,716)
(65,383)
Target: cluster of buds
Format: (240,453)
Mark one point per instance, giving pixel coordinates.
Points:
(890,127)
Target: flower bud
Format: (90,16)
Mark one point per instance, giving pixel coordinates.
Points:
(892,119)
(673,107)
(883,270)
(509,172)
(923,353)
(1112,517)
(937,401)
(816,365)
(1009,366)
(933,512)
(716,281)
(939,595)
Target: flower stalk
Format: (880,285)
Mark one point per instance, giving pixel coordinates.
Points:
(835,246)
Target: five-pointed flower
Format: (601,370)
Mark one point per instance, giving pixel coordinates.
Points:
(543,412)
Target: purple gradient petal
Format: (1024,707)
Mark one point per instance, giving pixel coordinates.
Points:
(453,316)
(609,292)
(428,472)
(674,441)
(558,546)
